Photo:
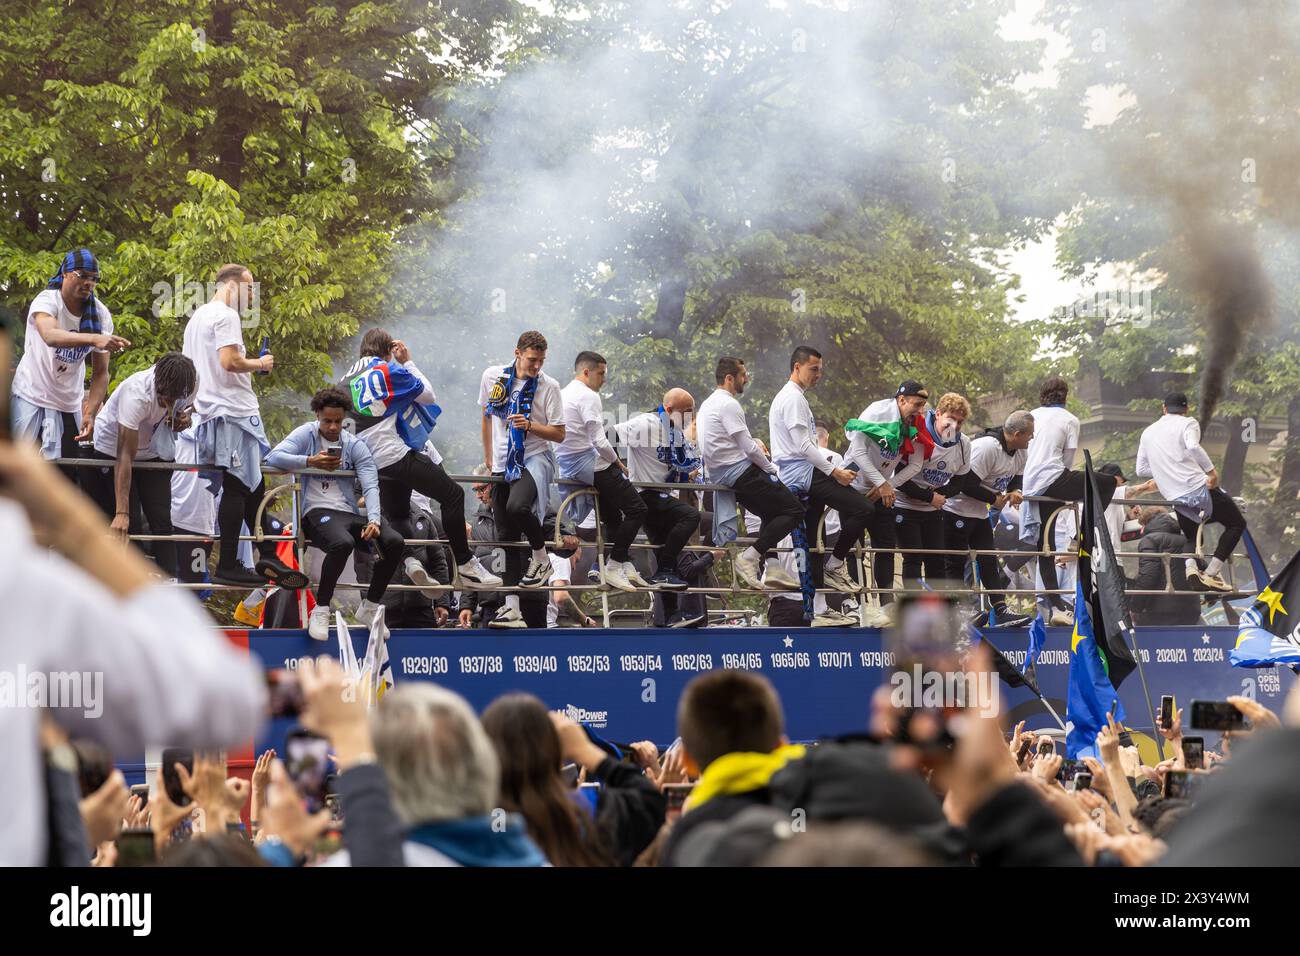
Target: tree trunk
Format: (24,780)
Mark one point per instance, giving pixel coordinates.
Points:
(1234,459)
(232,113)
(1288,486)
(670,308)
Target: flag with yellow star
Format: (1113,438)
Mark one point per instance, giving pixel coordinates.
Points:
(1269,630)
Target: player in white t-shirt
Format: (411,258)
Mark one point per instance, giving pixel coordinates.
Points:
(587,455)
(523,415)
(65,323)
(229,426)
(139,423)
(1170,450)
(734,458)
(1048,474)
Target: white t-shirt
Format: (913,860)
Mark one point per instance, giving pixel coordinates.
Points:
(942,466)
(584,424)
(194,507)
(211,328)
(561,573)
(875,464)
(1051,450)
(55,378)
(133,404)
(386,446)
(832,524)
(793,429)
(995,468)
(724,436)
(642,435)
(548,409)
(1170,451)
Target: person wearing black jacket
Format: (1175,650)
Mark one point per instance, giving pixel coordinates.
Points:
(1161,534)
(428,609)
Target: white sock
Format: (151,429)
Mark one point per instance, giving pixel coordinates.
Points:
(750,553)
(1214,567)
(512,601)
(539,555)
(833,562)
(819,604)
(1189,565)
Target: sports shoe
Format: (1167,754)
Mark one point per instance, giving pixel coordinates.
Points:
(473,576)
(833,618)
(615,576)
(239,575)
(538,573)
(838,578)
(507,617)
(593,577)
(419,576)
(318,625)
(634,576)
(668,581)
(1013,620)
(687,619)
(276,570)
(778,578)
(747,572)
(366,612)
(1061,618)
(251,613)
(877,617)
(1211,582)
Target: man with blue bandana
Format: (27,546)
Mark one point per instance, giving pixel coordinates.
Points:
(523,418)
(65,324)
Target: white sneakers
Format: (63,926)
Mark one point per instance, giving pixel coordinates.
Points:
(421,577)
(838,578)
(1211,582)
(1061,618)
(633,576)
(318,625)
(475,577)
(537,575)
(507,617)
(778,578)
(614,574)
(747,571)
(833,618)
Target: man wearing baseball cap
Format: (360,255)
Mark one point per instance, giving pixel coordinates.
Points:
(1170,450)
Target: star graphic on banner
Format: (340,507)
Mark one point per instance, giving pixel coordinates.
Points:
(789,641)
(1273,601)
(1205,638)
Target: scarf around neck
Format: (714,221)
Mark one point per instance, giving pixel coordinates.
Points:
(503,403)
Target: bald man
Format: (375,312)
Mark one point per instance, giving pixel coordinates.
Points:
(658,452)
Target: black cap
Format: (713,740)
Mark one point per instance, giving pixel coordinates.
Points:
(912,387)
(1176,401)
(1110,468)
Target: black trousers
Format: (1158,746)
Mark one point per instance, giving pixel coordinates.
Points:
(773,502)
(960,531)
(920,529)
(622,510)
(1226,513)
(338,534)
(69,448)
(238,507)
(882,528)
(669,524)
(512,510)
(854,510)
(151,500)
(1068,486)
(417,472)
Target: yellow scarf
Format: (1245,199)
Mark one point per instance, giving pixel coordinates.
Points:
(741,772)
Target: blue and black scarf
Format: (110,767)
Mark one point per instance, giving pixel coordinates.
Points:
(677,453)
(80,259)
(502,403)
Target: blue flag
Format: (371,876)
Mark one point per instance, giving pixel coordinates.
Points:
(1090,694)
(1037,638)
(1269,630)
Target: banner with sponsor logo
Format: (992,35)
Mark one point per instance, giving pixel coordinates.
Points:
(626,682)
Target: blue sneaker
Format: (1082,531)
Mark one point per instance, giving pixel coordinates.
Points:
(668,581)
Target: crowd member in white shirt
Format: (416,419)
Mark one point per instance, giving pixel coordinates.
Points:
(139,423)
(1048,475)
(394,408)
(229,430)
(65,323)
(997,464)
(523,417)
(77,603)
(733,458)
(930,474)
(660,451)
(332,520)
(1170,450)
(586,455)
(806,470)
(876,462)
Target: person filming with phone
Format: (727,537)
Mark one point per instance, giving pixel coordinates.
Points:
(331,518)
